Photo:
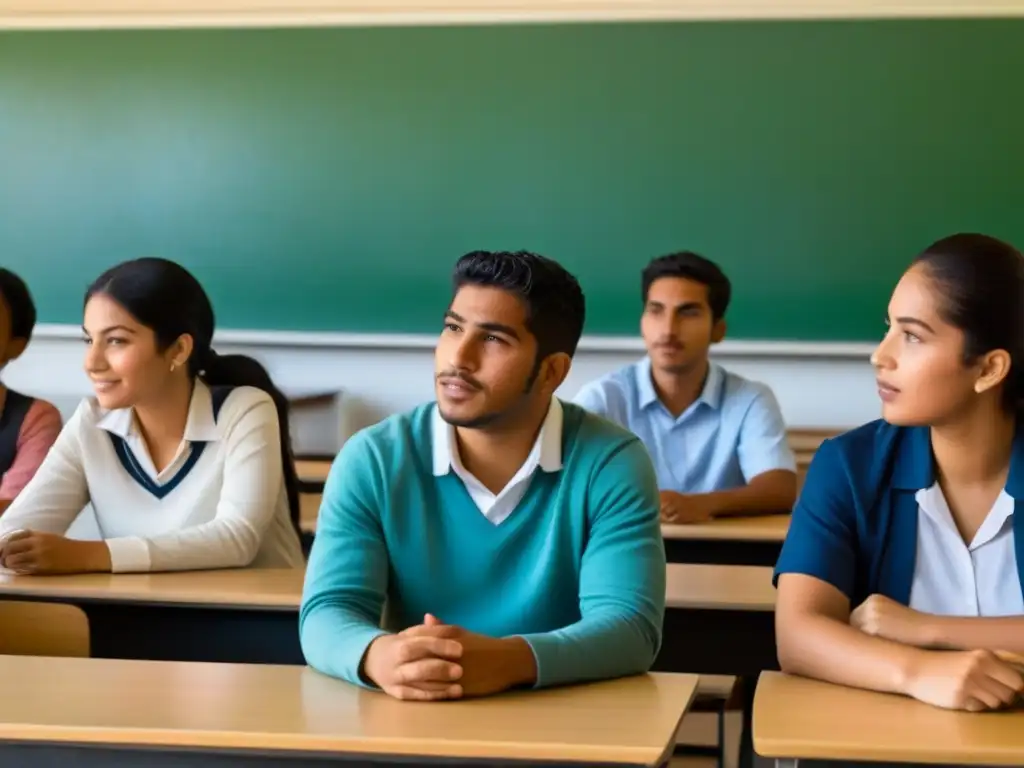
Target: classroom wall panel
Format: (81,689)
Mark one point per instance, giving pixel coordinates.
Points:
(79,13)
(327,179)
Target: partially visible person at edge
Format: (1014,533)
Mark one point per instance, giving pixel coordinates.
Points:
(28,425)
(183,454)
(513,538)
(903,568)
(718,440)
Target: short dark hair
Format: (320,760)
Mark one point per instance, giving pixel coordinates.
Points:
(555,307)
(694,267)
(981,282)
(19,301)
(167,298)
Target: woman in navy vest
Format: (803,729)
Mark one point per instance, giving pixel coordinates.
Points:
(904,563)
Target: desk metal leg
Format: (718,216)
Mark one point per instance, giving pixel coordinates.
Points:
(749,684)
(786,762)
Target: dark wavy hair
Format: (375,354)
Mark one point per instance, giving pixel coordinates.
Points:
(691,266)
(555,307)
(19,302)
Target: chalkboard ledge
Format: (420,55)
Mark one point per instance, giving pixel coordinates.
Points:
(413,341)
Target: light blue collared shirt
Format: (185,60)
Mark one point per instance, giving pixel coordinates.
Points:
(733,432)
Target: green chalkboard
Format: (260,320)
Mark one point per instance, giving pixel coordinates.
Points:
(327,179)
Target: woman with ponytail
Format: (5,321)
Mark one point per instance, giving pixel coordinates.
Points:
(183,454)
(903,567)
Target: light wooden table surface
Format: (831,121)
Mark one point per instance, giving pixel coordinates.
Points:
(293,708)
(727,587)
(312,470)
(264,588)
(309,511)
(759,528)
(720,587)
(796,718)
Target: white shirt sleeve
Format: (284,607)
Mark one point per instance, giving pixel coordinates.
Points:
(58,491)
(253,479)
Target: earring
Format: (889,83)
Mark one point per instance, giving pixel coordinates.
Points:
(173,366)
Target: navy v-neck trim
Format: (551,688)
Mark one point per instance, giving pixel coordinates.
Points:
(218,394)
(131,465)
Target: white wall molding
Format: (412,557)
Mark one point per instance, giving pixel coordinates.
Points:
(380,375)
(415,341)
(64,14)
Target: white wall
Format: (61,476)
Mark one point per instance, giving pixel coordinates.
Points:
(817,385)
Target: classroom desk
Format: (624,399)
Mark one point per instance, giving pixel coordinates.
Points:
(239,615)
(727,541)
(115,713)
(312,474)
(309,511)
(719,619)
(796,718)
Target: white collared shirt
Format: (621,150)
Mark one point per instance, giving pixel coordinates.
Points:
(220,503)
(545,454)
(955,579)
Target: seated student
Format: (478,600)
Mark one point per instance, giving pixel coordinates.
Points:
(183,454)
(718,440)
(514,539)
(28,426)
(903,568)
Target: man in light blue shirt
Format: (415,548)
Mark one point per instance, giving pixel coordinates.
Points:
(718,440)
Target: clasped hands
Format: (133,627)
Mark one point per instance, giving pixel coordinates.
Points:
(972,680)
(434,661)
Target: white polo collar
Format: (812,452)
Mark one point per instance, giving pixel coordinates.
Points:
(201,426)
(546,451)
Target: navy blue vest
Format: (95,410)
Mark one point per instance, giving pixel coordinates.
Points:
(16,407)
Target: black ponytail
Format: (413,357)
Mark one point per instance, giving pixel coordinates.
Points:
(242,371)
(167,298)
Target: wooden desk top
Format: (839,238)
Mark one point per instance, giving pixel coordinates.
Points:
(715,587)
(293,708)
(309,511)
(253,588)
(720,587)
(760,528)
(800,718)
(312,470)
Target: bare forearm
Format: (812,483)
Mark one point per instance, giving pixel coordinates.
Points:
(519,663)
(767,494)
(1002,633)
(828,649)
(92,557)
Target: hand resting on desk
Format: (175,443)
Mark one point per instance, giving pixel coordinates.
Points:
(33,552)
(974,681)
(686,508)
(434,661)
(970,679)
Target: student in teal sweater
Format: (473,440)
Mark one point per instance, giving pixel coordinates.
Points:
(499,537)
